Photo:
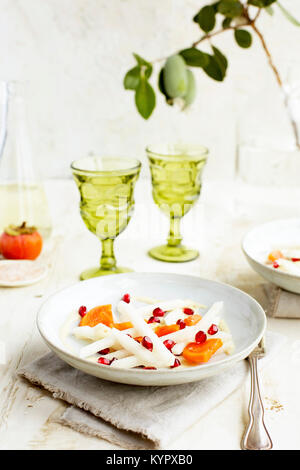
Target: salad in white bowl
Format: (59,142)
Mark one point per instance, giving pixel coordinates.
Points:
(152,334)
(285,259)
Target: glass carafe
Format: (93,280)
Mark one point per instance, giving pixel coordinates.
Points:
(22,195)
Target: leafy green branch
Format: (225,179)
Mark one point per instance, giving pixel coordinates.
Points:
(176,80)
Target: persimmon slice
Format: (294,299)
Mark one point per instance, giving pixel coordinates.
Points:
(274,255)
(139,339)
(197,353)
(192,320)
(100,314)
(123,326)
(166,329)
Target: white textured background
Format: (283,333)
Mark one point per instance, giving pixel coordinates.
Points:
(75,53)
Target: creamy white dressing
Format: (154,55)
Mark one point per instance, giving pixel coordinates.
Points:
(66,329)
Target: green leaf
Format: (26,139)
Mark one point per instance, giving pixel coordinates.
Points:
(223,62)
(288,15)
(230,8)
(217,65)
(145,98)
(261,3)
(140,60)
(194,58)
(243,38)
(226,23)
(206,18)
(132,78)
(213,69)
(144,65)
(215,6)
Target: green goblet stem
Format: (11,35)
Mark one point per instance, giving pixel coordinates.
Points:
(108,260)
(174,238)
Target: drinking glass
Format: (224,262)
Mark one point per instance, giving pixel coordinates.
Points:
(176,172)
(106,187)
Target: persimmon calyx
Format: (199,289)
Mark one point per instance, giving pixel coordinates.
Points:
(16,230)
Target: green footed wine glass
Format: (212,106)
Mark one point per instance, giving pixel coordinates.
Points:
(176,172)
(106,188)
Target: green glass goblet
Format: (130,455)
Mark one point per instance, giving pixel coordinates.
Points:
(176,172)
(106,187)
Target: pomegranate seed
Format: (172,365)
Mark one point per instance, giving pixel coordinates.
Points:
(213,329)
(275,265)
(176,364)
(82,310)
(153,320)
(147,343)
(104,361)
(126,298)
(169,344)
(200,337)
(104,351)
(158,312)
(181,323)
(295,260)
(188,311)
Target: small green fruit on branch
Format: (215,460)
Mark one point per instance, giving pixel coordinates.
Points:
(176,80)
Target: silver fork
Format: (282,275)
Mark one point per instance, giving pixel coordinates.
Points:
(256,436)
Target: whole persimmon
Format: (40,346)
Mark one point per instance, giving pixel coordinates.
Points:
(21,242)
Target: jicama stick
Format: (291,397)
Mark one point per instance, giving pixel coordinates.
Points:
(94,333)
(188,334)
(127,363)
(145,300)
(93,348)
(226,337)
(159,349)
(149,300)
(291,252)
(142,354)
(147,310)
(182,337)
(120,354)
(173,316)
(106,342)
(289,266)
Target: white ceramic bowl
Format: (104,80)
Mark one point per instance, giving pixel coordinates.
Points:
(243,314)
(264,238)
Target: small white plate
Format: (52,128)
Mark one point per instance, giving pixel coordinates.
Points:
(245,317)
(264,238)
(24,272)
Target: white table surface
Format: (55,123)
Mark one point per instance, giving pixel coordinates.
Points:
(215,226)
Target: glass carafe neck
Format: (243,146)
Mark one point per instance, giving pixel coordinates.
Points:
(15,151)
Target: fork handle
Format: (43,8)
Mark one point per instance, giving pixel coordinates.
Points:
(256,436)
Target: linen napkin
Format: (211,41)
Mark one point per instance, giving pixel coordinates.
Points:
(136,417)
(277,302)
(283,304)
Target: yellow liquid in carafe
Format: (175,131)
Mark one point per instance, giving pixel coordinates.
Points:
(24,203)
